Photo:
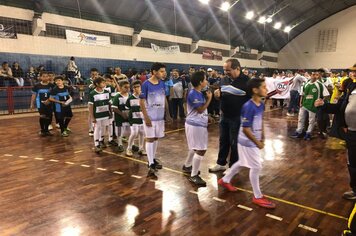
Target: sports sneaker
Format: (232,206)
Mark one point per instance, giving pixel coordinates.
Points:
(290,114)
(98,149)
(50,127)
(152,170)
(124,139)
(197,181)
(135,148)
(91,133)
(57,125)
(307,137)
(228,186)
(187,169)
(264,202)
(347,233)
(142,152)
(68,130)
(102,144)
(350,195)
(120,148)
(297,135)
(113,143)
(217,168)
(129,153)
(157,163)
(323,135)
(65,134)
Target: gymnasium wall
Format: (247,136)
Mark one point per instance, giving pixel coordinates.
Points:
(55,52)
(316,46)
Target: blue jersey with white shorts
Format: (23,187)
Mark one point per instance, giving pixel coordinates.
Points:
(251,116)
(155,98)
(196,99)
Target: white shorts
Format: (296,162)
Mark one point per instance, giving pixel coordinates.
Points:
(102,122)
(136,128)
(197,137)
(156,130)
(249,157)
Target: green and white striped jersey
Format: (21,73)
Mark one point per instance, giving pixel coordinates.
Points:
(101,104)
(135,114)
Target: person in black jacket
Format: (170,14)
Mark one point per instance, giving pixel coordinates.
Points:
(346,109)
(230,106)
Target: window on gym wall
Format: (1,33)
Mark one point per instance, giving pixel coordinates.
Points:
(21,26)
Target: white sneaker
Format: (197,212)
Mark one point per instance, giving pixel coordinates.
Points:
(217,168)
(57,125)
(226,171)
(129,153)
(290,114)
(50,127)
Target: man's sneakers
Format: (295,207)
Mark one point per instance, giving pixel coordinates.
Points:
(98,149)
(197,181)
(57,125)
(113,143)
(297,135)
(290,114)
(102,144)
(351,195)
(152,170)
(142,152)
(50,127)
(65,133)
(307,137)
(129,153)
(228,186)
(217,168)
(157,163)
(135,148)
(264,202)
(187,169)
(120,148)
(91,133)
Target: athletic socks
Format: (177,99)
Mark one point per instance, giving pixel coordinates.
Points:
(155,145)
(188,161)
(110,131)
(255,182)
(141,139)
(234,169)
(66,122)
(196,164)
(42,124)
(150,152)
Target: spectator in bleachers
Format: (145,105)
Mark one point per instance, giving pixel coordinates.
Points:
(5,75)
(31,77)
(72,70)
(18,74)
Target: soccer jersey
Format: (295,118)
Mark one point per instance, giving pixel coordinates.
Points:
(251,116)
(196,99)
(135,114)
(119,102)
(311,92)
(101,104)
(60,94)
(155,98)
(111,90)
(42,92)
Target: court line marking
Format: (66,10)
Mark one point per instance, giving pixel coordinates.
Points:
(8,155)
(69,163)
(274,217)
(136,176)
(243,190)
(79,151)
(219,199)
(86,166)
(38,158)
(244,207)
(174,186)
(53,160)
(102,169)
(118,172)
(23,156)
(193,192)
(308,228)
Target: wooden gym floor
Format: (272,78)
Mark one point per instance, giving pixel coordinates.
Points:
(59,186)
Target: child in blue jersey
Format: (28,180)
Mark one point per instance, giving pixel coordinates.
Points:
(153,104)
(250,141)
(196,125)
(40,94)
(60,96)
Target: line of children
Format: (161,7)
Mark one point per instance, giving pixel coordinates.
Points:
(110,87)
(196,126)
(250,141)
(61,98)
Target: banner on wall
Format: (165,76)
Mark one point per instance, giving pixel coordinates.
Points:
(278,88)
(7,32)
(210,54)
(174,49)
(87,39)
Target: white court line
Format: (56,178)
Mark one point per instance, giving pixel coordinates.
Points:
(78,151)
(219,199)
(38,158)
(53,160)
(102,169)
(194,192)
(86,166)
(244,207)
(69,163)
(175,186)
(153,180)
(118,172)
(136,176)
(274,217)
(307,228)
(8,155)
(23,156)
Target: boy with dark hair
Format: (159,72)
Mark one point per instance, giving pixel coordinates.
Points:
(110,87)
(99,111)
(250,140)
(196,127)
(93,74)
(135,119)
(153,104)
(40,94)
(60,96)
(122,126)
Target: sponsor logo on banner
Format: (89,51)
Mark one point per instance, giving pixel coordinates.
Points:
(210,54)
(87,39)
(7,32)
(280,87)
(165,50)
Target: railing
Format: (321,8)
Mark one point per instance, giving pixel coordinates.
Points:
(15,100)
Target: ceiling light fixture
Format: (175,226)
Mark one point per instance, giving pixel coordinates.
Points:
(250,15)
(225,6)
(269,20)
(204,1)
(262,20)
(287,29)
(278,25)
